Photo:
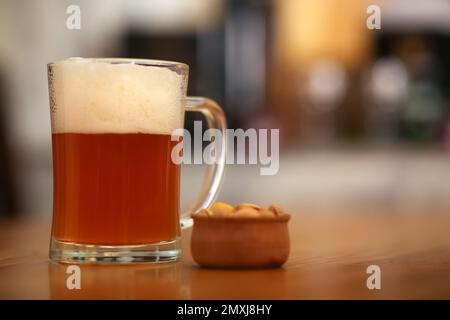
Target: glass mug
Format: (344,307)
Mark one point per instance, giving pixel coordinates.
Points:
(116,190)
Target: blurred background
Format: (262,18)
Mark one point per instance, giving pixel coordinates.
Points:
(364,115)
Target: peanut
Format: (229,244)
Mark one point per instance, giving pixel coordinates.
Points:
(221,209)
(246,205)
(266,213)
(276,209)
(246,212)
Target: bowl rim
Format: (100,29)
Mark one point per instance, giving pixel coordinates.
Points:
(282,218)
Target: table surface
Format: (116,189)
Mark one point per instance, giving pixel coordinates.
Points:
(330,252)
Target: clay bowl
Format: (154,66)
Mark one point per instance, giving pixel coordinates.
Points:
(240,242)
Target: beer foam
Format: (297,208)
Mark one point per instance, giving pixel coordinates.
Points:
(94,96)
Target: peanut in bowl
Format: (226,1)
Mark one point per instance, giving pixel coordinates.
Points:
(240,238)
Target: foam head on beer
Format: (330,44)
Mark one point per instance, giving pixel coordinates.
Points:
(94,96)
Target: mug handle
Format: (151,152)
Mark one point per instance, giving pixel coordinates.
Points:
(215,119)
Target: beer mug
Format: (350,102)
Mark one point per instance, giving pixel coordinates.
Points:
(116,188)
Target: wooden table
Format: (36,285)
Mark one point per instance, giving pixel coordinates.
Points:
(330,251)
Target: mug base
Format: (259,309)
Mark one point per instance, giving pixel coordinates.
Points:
(72,252)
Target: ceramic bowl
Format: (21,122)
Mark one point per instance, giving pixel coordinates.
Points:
(240,242)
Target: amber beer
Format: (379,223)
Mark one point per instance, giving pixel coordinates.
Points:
(115,189)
